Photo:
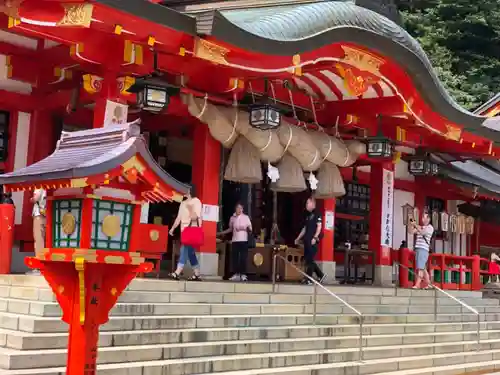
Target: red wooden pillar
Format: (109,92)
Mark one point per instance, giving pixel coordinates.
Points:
(42,141)
(205,177)
(381,219)
(325,255)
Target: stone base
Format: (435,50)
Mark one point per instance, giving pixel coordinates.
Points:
(383,276)
(329,269)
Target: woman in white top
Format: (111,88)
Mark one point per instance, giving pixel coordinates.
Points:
(189,215)
(241,227)
(422,246)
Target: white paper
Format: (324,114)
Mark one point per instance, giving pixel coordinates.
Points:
(115,113)
(145,213)
(210,213)
(329,220)
(387,208)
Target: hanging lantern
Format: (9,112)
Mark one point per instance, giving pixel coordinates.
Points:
(264,117)
(407,213)
(379,147)
(153,94)
(422,165)
(444,221)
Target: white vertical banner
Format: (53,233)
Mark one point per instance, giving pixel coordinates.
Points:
(115,114)
(387,208)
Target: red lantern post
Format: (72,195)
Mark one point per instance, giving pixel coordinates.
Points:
(93,225)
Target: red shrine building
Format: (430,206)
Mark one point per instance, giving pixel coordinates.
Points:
(342,80)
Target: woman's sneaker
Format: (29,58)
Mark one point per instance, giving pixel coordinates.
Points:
(235,277)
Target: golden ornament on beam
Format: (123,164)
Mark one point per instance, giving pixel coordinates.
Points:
(68,223)
(111,225)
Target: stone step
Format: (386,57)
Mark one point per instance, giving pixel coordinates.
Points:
(22,359)
(52,309)
(328,361)
(32,341)
(37,283)
(28,323)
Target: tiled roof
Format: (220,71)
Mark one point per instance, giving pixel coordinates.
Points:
(91,152)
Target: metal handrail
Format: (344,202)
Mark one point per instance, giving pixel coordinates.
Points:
(462,303)
(315,295)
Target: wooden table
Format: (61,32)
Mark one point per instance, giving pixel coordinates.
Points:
(351,256)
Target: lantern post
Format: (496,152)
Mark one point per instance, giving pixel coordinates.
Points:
(93,232)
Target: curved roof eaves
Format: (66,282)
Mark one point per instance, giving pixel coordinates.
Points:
(291,30)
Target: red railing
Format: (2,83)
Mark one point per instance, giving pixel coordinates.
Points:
(447,271)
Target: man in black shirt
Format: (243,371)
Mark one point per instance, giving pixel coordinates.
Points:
(311,233)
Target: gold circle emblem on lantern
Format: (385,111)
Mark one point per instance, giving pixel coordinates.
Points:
(111,225)
(258,260)
(154,235)
(68,223)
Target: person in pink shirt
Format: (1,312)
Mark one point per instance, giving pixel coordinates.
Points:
(240,225)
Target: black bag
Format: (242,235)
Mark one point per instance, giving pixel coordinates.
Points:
(251,241)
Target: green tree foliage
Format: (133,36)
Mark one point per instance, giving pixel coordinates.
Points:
(462,40)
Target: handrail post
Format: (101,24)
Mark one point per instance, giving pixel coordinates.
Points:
(435,304)
(478,332)
(360,338)
(315,305)
(274,272)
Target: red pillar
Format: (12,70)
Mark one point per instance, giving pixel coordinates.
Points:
(41,143)
(326,249)
(381,219)
(205,177)
(325,255)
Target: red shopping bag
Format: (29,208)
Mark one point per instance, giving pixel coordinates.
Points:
(193,236)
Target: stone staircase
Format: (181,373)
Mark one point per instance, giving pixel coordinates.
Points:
(178,328)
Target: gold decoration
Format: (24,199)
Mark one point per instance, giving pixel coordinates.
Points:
(362,60)
(113,259)
(56,257)
(114,291)
(133,162)
(154,235)
(124,83)
(258,260)
(60,289)
(111,225)
(80,268)
(92,83)
(77,15)
(453,133)
(79,182)
(68,223)
(210,51)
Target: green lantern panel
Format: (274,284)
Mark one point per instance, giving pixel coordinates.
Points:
(67,216)
(111,224)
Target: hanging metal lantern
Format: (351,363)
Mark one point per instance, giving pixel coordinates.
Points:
(422,165)
(153,94)
(379,147)
(264,116)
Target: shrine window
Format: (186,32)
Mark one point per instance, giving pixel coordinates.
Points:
(4,134)
(111,223)
(68,217)
(351,221)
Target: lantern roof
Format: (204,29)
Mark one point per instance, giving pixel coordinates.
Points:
(97,157)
